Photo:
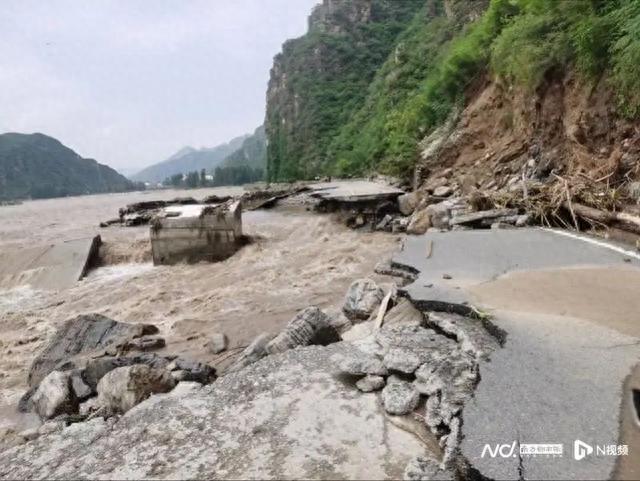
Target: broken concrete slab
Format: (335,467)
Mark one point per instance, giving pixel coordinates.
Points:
(251,424)
(194,233)
(51,267)
(309,326)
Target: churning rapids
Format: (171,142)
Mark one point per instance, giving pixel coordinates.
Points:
(297,259)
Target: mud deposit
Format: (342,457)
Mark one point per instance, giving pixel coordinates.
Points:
(297,259)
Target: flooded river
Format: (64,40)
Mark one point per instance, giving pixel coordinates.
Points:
(298,259)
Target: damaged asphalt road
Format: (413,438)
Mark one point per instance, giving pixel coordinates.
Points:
(558,378)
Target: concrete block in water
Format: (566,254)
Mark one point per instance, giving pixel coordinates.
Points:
(196,233)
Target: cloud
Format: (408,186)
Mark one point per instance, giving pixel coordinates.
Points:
(129,83)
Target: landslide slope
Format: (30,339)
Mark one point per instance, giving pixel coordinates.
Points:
(490,84)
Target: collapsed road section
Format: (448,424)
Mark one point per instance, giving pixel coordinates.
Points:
(559,375)
(52,266)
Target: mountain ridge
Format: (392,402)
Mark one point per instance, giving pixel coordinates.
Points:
(189,159)
(39,166)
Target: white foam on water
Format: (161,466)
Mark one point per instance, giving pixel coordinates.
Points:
(21,297)
(118,272)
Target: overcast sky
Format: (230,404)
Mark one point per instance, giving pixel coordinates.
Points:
(129,82)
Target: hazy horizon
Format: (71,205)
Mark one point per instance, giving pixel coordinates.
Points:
(131,83)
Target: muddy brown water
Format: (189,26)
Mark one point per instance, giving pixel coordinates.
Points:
(298,259)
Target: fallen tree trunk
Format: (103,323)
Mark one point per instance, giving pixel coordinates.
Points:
(622,220)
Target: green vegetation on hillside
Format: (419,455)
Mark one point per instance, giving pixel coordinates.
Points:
(327,74)
(37,166)
(437,58)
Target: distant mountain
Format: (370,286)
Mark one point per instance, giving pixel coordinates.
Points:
(252,152)
(38,166)
(189,159)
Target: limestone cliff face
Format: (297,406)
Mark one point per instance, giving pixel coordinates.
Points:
(321,78)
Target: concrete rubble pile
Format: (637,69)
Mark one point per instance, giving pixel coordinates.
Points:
(425,364)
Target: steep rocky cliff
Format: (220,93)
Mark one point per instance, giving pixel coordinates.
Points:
(320,79)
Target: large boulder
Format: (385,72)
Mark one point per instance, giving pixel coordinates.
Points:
(124,387)
(363,298)
(419,222)
(82,335)
(54,396)
(407,203)
(309,326)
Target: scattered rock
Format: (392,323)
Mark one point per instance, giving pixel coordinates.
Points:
(407,203)
(401,360)
(386,268)
(80,388)
(362,364)
(54,396)
(124,387)
(363,298)
(217,343)
(370,383)
(80,335)
(447,276)
(340,322)
(309,326)
(385,223)
(399,224)
(399,397)
(440,214)
(146,343)
(194,371)
(442,191)
(419,222)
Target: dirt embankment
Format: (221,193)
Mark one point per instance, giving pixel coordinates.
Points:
(561,145)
